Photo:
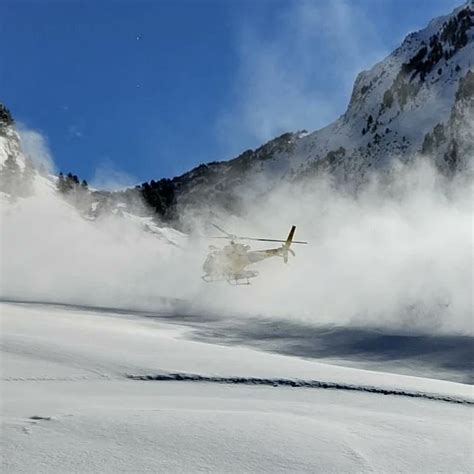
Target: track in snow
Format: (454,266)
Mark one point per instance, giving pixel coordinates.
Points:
(296,383)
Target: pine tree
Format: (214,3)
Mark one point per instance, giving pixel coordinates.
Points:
(61,185)
(69,183)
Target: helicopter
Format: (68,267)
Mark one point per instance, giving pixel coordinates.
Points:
(229,263)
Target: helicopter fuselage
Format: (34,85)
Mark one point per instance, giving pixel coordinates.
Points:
(230,262)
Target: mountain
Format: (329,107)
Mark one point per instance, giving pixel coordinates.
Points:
(417,101)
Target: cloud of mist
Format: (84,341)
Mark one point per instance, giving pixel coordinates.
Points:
(50,251)
(398,255)
(111,262)
(279,85)
(35,146)
(109,178)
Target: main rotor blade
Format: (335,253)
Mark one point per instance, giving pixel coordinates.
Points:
(273,240)
(222,230)
(238,237)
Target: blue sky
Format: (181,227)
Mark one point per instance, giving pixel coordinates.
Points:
(140,90)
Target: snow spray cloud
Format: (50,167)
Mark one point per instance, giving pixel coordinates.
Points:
(109,178)
(36,147)
(396,255)
(50,252)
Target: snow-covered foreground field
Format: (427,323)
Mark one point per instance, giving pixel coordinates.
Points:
(104,392)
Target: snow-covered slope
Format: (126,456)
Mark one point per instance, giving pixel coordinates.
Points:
(70,405)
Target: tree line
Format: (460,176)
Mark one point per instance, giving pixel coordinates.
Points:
(70,182)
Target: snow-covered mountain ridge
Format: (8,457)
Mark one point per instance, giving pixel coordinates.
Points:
(419,101)
(396,104)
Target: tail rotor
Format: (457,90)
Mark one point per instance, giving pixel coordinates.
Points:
(286,246)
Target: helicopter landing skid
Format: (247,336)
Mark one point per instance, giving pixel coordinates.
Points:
(212,279)
(234,279)
(242,278)
(239,282)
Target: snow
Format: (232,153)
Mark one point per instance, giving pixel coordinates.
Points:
(68,405)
